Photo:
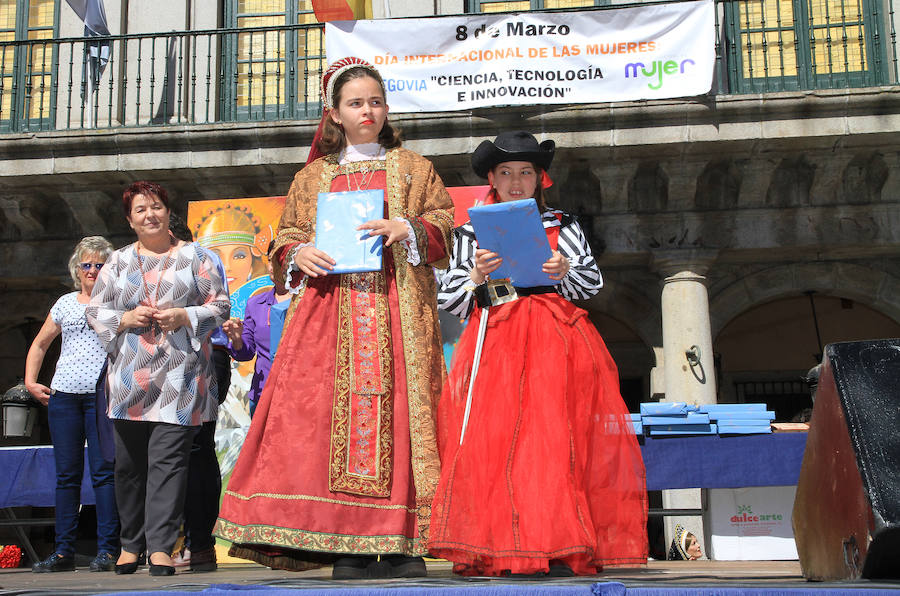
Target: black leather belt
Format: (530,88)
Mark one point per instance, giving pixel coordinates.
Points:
(494,293)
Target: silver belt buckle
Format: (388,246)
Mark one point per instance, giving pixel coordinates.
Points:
(501,291)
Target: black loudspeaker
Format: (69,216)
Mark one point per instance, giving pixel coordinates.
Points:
(847,509)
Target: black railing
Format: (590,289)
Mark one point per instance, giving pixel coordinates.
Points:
(188,77)
(272,73)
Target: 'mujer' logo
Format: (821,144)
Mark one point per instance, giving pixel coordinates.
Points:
(657,69)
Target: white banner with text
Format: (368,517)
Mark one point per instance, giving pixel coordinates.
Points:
(458,63)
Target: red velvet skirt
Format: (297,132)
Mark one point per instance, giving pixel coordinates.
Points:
(550,469)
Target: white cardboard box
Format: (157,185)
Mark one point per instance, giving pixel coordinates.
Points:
(750,524)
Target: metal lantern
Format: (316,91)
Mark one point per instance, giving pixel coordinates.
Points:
(19,412)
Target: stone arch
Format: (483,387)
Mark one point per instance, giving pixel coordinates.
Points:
(634,308)
(875,288)
(630,326)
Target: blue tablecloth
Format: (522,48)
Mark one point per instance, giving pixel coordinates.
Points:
(27,474)
(715,461)
(28,477)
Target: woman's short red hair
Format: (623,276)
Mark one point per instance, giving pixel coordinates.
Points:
(146,188)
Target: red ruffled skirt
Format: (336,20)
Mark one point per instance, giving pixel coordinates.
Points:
(550,469)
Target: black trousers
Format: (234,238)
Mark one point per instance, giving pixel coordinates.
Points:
(151,478)
(204,486)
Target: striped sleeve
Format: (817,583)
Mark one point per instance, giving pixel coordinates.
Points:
(455,295)
(583,279)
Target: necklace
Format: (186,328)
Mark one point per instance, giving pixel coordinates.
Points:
(159,271)
(363,179)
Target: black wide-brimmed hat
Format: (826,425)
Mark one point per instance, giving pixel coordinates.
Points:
(517,145)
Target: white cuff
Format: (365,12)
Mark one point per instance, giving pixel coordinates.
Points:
(412,247)
(293,268)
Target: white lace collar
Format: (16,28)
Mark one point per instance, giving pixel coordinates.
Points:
(362,152)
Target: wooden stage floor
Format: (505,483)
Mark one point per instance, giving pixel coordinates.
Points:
(674,574)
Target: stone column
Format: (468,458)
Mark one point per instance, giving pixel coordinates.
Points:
(687,340)
(688,370)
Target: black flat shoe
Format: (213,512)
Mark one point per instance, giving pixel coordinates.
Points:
(55,562)
(403,566)
(161,570)
(560,569)
(351,567)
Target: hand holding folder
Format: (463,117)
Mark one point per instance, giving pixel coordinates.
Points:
(514,231)
(338,215)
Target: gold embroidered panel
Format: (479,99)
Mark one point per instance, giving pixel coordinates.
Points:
(361,454)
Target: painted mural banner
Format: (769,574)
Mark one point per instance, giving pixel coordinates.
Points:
(653,51)
(239,232)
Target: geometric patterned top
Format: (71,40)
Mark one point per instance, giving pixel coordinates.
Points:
(156,376)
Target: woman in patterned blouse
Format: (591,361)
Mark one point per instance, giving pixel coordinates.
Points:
(154,306)
(546,415)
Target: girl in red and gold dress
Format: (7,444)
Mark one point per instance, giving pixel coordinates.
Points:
(549,477)
(340,463)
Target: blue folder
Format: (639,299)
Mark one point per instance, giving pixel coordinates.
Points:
(674,408)
(689,418)
(751,407)
(764,415)
(687,429)
(514,231)
(744,422)
(338,214)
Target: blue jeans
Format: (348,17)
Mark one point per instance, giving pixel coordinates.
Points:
(73,419)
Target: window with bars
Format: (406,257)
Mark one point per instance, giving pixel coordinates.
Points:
(272,73)
(776,45)
(488,6)
(27,70)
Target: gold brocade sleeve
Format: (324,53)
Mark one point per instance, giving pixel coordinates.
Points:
(297,225)
(429,200)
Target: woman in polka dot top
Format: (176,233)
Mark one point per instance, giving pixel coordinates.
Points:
(71,399)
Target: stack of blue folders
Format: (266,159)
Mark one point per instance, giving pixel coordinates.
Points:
(679,418)
(674,418)
(740,419)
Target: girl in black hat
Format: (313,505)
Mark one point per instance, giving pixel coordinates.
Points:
(549,478)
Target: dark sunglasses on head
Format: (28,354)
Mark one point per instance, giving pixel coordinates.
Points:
(87,266)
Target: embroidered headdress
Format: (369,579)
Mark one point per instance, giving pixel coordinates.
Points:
(335,71)
(329,78)
(678,550)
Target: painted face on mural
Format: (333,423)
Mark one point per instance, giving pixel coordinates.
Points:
(238,262)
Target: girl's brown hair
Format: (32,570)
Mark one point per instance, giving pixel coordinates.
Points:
(333,138)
